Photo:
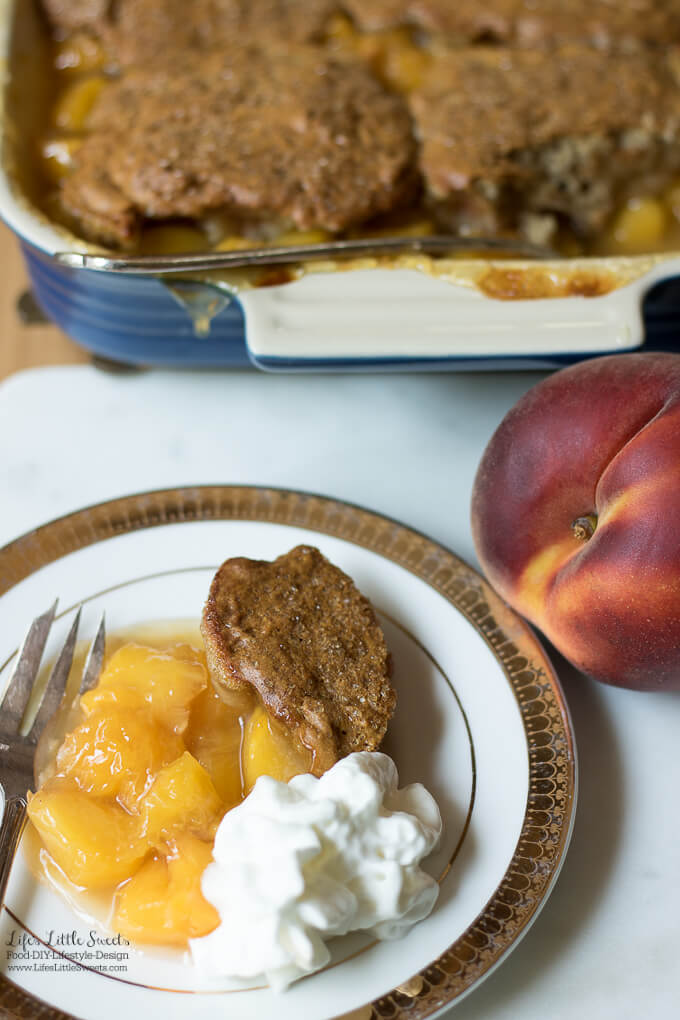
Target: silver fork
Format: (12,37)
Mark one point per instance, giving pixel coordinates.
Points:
(17,750)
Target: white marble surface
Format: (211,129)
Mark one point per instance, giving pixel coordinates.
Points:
(607,944)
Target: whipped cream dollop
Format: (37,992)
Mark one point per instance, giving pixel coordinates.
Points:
(297,863)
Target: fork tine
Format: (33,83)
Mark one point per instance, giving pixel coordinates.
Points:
(26,669)
(95,659)
(56,685)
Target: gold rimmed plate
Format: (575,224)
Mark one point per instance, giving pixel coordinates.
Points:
(481,721)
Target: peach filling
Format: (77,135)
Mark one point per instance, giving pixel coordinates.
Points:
(133,797)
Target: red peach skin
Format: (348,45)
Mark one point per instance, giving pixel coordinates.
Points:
(600,442)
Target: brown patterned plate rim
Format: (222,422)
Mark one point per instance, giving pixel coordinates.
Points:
(549,814)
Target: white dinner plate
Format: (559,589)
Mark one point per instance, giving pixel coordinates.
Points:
(481,721)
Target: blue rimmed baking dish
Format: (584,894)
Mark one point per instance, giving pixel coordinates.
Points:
(413,313)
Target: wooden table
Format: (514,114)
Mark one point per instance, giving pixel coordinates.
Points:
(22,345)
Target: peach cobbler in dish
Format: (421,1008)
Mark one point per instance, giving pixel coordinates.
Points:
(221,124)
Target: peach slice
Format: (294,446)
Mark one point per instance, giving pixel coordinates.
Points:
(214,738)
(96,844)
(182,797)
(269,751)
(117,754)
(163,902)
(138,677)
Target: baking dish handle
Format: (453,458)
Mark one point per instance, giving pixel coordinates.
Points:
(384,318)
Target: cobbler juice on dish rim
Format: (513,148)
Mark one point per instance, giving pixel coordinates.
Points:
(128,806)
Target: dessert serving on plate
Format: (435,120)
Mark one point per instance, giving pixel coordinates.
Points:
(134,803)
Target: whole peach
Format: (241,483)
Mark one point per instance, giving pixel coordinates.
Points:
(576,515)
